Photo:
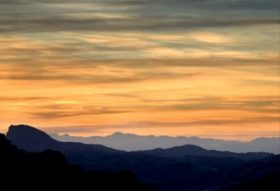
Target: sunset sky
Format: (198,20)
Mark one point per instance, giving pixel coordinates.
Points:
(208,68)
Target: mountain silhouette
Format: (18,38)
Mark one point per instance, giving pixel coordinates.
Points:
(33,140)
(132,142)
(49,170)
(30,139)
(192,150)
(187,167)
(24,137)
(257,175)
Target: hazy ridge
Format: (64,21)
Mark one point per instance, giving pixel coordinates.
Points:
(132,142)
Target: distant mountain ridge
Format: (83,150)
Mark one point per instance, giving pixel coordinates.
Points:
(181,168)
(132,142)
(33,140)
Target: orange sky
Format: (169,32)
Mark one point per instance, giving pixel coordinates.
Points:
(95,70)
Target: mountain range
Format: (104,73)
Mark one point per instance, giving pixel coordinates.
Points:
(186,167)
(49,170)
(132,142)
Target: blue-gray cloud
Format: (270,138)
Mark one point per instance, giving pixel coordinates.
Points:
(169,15)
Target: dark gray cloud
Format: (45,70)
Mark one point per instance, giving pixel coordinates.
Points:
(170,15)
(126,24)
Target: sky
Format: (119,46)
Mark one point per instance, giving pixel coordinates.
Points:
(207,68)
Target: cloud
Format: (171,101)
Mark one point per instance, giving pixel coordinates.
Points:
(124,95)
(121,25)
(210,122)
(268,107)
(62,112)
(252,104)
(140,125)
(93,77)
(138,58)
(211,38)
(20,98)
(261,83)
(54,16)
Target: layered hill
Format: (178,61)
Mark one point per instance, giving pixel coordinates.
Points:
(49,170)
(186,167)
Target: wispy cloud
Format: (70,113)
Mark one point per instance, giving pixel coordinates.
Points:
(156,65)
(86,112)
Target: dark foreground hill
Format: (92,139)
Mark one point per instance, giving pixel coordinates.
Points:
(181,168)
(49,170)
